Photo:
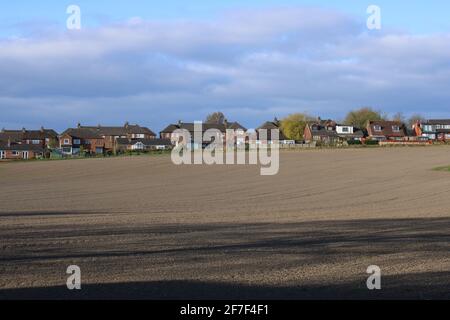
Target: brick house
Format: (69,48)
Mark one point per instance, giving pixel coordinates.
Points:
(14,151)
(386,130)
(266,137)
(111,134)
(45,138)
(75,140)
(321,131)
(168,132)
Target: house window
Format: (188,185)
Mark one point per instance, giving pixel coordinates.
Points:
(377,128)
(345,129)
(15,153)
(35,141)
(76,141)
(66,141)
(396,128)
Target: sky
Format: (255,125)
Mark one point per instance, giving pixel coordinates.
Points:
(157,62)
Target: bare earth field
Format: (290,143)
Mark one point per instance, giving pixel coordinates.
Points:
(142,227)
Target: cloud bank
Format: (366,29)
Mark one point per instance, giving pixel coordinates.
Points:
(252,65)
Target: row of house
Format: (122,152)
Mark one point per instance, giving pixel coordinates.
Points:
(28,144)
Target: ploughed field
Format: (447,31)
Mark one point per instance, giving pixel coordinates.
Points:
(141,227)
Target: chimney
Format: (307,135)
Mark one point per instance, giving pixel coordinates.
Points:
(126,125)
(24,130)
(42,129)
(79,125)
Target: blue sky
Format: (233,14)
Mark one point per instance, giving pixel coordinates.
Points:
(415,16)
(156,62)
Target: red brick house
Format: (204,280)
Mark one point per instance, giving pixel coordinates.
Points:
(321,131)
(111,134)
(45,138)
(75,141)
(14,151)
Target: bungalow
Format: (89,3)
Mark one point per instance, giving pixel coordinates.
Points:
(75,140)
(143,144)
(14,151)
(111,134)
(321,131)
(438,129)
(169,132)
(45,138)
(386,130)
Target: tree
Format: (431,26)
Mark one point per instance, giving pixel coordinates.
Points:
(215,117)
(360,118)
(414,119)
(293,126)
(399,117)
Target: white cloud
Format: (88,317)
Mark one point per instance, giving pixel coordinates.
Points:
(257,63)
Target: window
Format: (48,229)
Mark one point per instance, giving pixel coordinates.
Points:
(396,128)
(345,129)
(15,153)
(66,141)
(35,141)
(377,128)
(76,141)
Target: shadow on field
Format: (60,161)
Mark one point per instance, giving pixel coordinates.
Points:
(241,250)
(412,286)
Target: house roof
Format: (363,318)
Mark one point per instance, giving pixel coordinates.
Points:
(236,126)
(318,129)
(19,135)
(21,147)
(146,142)
(82,133)
(438,121)
(189,126)
(386,128)
(120,131)
(271,125)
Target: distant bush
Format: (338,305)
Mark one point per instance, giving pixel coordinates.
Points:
(372,142)
(354,142)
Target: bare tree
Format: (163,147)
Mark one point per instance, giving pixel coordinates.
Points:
(215,117)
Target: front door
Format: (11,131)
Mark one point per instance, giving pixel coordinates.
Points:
(25,155)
